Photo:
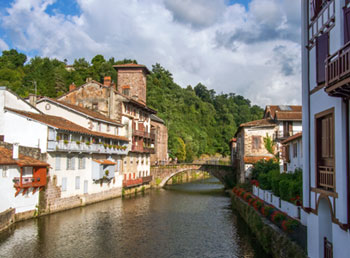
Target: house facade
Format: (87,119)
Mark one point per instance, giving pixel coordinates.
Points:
(159,129)
(250,146)
(126,104)
(21,179)
(292,153)
(325,99)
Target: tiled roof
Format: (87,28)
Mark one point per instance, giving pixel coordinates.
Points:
(255,159)
(156,119)
(104,161)
(279,115)
(22,161)
(131,65)
(282,112)
(85,111)
(261,122)
(63,124)
(293,137)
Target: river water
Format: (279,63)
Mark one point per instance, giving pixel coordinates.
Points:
(187,220)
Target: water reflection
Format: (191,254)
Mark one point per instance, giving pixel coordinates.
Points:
(189,220)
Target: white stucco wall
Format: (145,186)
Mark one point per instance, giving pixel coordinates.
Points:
(20,129)
(10,100)
(85,175)
(295,162)
(22,203)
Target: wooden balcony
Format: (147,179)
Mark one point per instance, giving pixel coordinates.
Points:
(323,22)
(28,182)
(146,179)
(143,134)
(132,182)
(326,178)
(338,73)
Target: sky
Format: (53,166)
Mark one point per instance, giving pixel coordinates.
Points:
(248,47)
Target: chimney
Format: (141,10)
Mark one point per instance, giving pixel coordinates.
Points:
(32,99)
(15,151)
(72,87)
(107,81)
(88,79)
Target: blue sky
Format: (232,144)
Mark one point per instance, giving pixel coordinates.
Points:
(248,47)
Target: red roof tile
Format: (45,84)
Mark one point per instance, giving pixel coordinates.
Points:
(130,65)
(63,124)
(283,112)
(22,161)
(261,122)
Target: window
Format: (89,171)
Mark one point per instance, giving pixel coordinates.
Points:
(82,162)
(70,163)
(99,126)
(322,50)
(94,106)
(27,171)
(3,171)
(346,25)
(256,141)
(77,182)
(325,150)
(295,150)
(64,184)
(287,128)
(316,7)
(126,91)
(108,128)
(58,163)
(285,153)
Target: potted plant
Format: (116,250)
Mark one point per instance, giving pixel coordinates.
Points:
(65,141)
(77,142)
(87,143)
(107,172)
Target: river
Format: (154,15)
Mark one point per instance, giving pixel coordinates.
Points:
(187,220)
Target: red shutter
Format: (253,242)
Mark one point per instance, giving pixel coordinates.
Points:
(346,25)
(321,56)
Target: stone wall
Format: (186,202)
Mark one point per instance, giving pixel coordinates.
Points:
(161,144)
(135,79)
(274,241)
(7,218)
(27,151)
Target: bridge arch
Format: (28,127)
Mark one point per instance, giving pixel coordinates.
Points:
(168,177)
(226,174)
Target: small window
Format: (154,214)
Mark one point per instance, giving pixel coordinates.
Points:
(126,91)
(295,150)
(3,172)
(70,163)
(77,182)
(58,163)
(94,106)
(64,184)
(256,142)
(27,171)
(82,162)
(108,128)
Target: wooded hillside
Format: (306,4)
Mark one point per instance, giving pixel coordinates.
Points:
(199,120)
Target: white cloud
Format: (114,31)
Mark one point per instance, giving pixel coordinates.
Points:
(3,45)
(254,52)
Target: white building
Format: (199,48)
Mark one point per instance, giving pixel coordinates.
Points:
(292,153)
(21,179)
(325,92)
(82,161)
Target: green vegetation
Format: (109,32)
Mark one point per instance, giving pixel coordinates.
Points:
(288,186)
(199,120)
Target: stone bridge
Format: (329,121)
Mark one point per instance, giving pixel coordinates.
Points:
(226,174)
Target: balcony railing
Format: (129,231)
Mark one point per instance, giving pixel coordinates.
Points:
(132,182)
(326,177)
(146,179)
(83,147)
(28,182)
(338,66)
(323,22)
(144,134)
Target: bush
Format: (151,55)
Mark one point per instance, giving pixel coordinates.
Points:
(264,181)
(284,189)
(263,167)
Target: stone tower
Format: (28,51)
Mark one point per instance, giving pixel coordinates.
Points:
(131,81)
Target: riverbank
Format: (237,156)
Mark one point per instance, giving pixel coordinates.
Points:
(272,239)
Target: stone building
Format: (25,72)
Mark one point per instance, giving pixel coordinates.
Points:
(250,146)
(126,104)
(160,131)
